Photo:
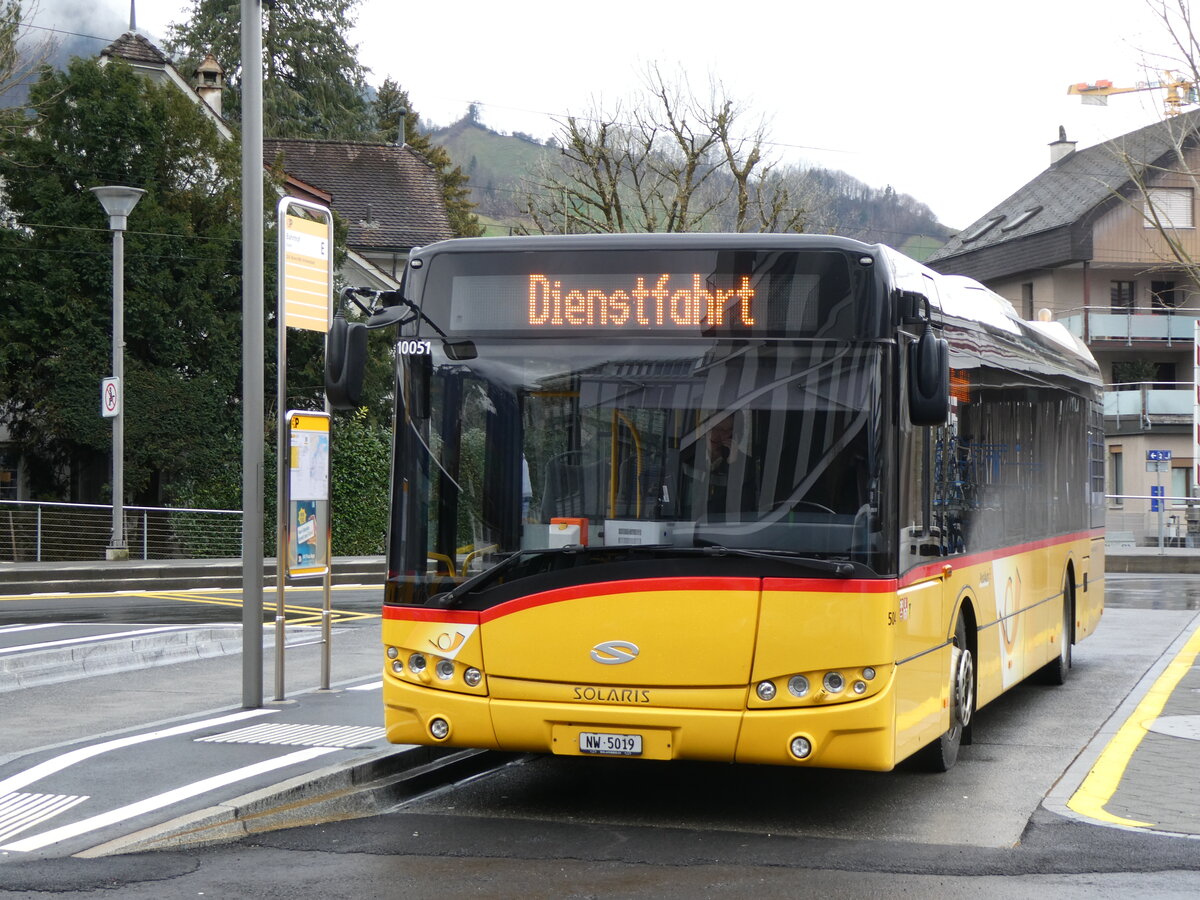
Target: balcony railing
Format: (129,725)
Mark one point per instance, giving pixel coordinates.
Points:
(1134,324)
(1144,399)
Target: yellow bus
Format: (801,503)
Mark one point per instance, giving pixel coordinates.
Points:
(784,499)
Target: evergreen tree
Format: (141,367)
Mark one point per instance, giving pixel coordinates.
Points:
(389,102)
(101,125)
(313,84)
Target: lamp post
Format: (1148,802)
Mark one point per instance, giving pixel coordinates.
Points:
(118,202)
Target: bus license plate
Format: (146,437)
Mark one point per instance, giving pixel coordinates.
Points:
(610,744)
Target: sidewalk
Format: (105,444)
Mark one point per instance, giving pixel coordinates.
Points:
(100,576)
(1139,773)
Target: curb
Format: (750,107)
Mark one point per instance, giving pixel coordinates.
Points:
(351,790)
(101,657)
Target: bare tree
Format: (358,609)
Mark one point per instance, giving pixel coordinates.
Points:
(21,59)
(1159,159)
(672,163)
(21,55)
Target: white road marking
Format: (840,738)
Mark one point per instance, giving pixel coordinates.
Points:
(20,812)
(150,804)
(299,735)
(370,686)
(9,629)
(66,760)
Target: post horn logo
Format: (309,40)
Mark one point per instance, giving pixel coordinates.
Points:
(613,653)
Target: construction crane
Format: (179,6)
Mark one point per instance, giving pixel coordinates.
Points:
(1180,92)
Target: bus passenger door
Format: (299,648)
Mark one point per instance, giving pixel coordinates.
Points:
(923,661)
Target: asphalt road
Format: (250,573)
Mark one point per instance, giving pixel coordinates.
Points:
(616,828)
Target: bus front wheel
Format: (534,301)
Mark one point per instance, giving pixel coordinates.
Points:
(941,755)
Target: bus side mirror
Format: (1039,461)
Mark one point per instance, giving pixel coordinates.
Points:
(345,362)
(929,380)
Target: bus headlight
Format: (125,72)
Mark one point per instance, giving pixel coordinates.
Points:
(472,677)
(766,691)
(439,728)
(801,747)
(416,663)
(834,682)
(397,667)
(798,686)
(444,669)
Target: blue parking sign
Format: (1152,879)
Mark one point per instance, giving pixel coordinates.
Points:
(1157,490)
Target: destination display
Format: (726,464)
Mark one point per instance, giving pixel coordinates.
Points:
(693,294)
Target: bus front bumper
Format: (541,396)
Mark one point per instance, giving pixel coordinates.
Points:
(854,735)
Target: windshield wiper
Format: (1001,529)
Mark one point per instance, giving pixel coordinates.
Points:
(489,575)
(839,567)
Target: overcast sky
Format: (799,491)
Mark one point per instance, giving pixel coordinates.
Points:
(951,101)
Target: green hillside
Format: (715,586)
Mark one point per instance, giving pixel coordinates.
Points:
(499,165)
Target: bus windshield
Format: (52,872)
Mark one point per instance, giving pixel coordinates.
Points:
(770,446)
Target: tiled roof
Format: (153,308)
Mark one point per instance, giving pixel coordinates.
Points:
(391,198)
(1069,189)
(136,48)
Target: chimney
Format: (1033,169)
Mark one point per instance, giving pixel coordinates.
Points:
(209,81)
(1062,148)
(401,137)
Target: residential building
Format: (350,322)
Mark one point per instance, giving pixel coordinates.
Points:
(1095,241)
(389,196)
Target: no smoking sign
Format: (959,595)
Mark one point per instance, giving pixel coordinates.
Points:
(110,397)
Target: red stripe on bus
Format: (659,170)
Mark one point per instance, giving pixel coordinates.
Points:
(975,559)
(831,585)
(423,614)
(641,585)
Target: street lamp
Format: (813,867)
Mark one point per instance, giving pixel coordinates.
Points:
(118,203)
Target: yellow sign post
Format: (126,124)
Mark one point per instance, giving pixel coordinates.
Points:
(308,494)
(306,271)
(305,301)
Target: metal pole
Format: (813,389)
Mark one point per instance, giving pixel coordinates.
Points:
(1162,508)
(326,607)
(252,355)
(116,546)
(282,469)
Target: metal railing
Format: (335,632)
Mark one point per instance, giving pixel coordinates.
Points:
(1143,520)
(1132,324)
(1148,398)
(35,531)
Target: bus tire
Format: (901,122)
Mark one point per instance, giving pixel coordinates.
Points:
(942,754)
(1056,671)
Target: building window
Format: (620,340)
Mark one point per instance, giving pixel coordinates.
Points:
(1168,208)
(981,229)
(1116,477)
(1022,218)
(1162,296)
(1123,295)
(1027,300)
(1181,484)
(8,474)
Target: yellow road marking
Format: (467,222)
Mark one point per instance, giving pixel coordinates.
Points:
(304,613)
(1104,778)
